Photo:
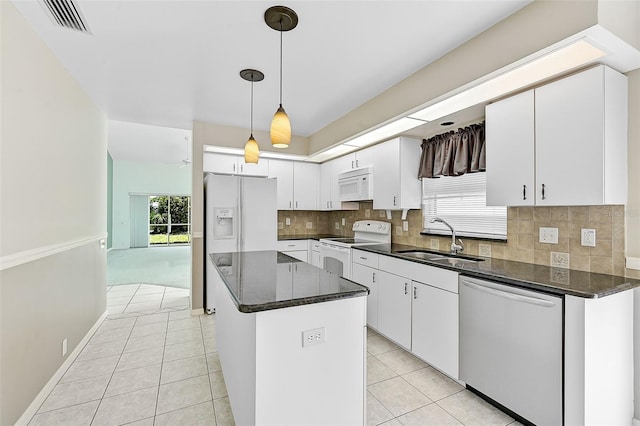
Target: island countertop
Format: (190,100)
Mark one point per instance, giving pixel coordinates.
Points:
(265,280)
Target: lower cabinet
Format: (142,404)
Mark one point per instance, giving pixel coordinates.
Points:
(394,308)
(434,335)
(366,276)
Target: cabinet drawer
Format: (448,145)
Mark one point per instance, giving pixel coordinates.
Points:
(293,245)
(431,275)
(365,258)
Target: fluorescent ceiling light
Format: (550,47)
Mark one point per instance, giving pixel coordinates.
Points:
(336,151)
(558,61)
(263,154)
(384,132)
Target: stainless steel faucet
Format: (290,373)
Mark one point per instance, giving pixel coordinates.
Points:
(455,248)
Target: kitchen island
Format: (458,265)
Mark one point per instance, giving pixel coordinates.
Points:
(291,339)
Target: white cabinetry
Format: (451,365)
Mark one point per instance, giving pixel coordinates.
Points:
(579,135)
(329,189)
(395,174)
(394,308)
(363,271)
(314,253)
(233,165)
(298,249)
(297,184)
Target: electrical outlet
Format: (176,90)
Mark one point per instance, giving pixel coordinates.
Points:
(405,225)
(559,260)
(309,225)
(548,235)
(280,225)
(435,244)
(381,213)
(313,337)
(64,347)
(287,221)
(484,250)
(344,221)
(588,237)
(367,213)
(398,230)
(337,225)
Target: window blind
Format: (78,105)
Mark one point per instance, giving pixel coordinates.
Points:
(461,201)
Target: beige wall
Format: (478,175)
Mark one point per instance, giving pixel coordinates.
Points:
(53,182)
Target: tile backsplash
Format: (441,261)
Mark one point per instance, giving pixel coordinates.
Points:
(522,244)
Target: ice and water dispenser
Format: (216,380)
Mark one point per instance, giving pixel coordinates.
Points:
(223,223)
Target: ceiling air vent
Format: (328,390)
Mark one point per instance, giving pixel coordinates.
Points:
(65,13)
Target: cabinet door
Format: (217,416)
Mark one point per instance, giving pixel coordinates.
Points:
(363,158)
(367,277)
(305,185)
(434,336)
(339,165)
(298,254)
(569,140)
(394,308)
(260,169)
(386,176)
(510,137)
(220,163)
(283,171)
(325,186)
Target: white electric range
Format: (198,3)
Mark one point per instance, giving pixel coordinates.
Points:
(335,253)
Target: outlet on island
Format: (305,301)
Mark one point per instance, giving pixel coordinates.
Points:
(313,337)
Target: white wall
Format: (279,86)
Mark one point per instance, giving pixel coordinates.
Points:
(142,178)
(53,180)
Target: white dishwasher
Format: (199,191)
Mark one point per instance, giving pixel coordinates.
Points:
(511,348)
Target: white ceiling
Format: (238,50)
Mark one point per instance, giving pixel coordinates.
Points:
(166,63)
(142,142)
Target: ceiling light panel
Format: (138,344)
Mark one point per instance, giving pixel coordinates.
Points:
(387,131)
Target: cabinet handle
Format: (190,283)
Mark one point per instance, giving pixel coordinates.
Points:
(327,204)
(357,164)
(289,204)
(296,204)
(406,288)
(394,200)
(241,168)
(373,280)
(543,191)
(331,204)
(352,164)
(524,192)
(363,258)
(234,167)
(415,293)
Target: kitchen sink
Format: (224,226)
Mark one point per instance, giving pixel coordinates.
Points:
(435,256)
(454,261)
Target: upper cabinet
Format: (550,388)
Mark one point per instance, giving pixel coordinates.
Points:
(577,128)
(297,184)
(395,174)
(329,189)
(357,160)
(233,165)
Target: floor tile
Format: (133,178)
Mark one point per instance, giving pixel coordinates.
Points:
(181,314)
(133,380)
(143,298)
(177,292)
(135,344)
(183,336)
(398,396)
(154,318)
(144,287)
(176,302)
(157,289)
(77,415)
(110,335)
(183,350)
(472,410)
(76,392)
(377,344)
(196,415)
(376,413)
(142,307)
(401,361)
(144,422)
(123,315)
(117,323)
(101,350)
(224,416)
(182,394)
(433,383)
(126,408)
(184,324)
(116,301)
(377,371)
(144,358)
(185,368)
(147,329)
(114,310)
(218,386)
(432,414)
(393,422)
(213,362)
(93,368)
(210,345)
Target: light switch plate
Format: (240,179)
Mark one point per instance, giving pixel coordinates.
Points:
(548,235)
(405,225)
(287,221)
(309,225)
(367,213)
(381,213)
(588,237)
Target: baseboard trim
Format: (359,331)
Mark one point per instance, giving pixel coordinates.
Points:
(635,422)
(27,256)
(195,312)
(32,409)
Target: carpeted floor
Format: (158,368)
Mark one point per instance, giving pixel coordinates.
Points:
(169,266)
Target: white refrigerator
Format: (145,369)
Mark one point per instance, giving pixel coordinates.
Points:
(240,215)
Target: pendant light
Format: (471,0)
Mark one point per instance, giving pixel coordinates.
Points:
(280,18)
(251,150)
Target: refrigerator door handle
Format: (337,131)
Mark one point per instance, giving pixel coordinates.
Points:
(240,239)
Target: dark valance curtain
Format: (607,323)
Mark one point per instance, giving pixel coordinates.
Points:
(454,153)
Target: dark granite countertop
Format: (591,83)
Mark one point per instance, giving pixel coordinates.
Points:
(265,280)
(306,237)
(527,275)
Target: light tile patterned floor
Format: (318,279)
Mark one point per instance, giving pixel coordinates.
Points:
(158,365)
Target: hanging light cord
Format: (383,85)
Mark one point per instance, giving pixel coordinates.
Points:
(280,62)
(252,78)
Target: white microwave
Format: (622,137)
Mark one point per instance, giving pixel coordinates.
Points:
(356,185)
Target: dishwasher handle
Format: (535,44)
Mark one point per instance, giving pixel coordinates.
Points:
(507,295)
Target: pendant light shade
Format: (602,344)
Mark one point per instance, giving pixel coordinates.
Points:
(280,129)
(251,149)
(280,18)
